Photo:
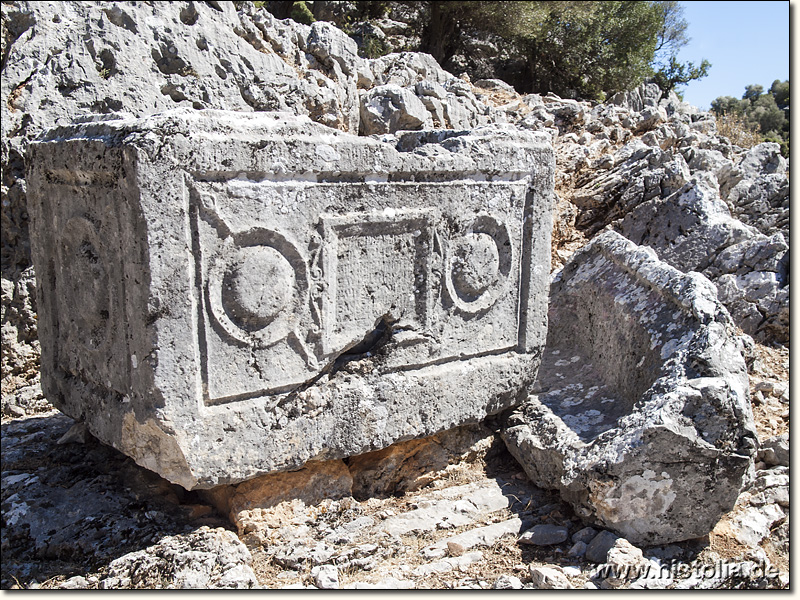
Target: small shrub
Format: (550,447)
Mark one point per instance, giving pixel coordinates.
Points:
(734,127)
(302,14)
(373,48)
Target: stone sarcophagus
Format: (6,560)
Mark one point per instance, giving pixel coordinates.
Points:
(223,295)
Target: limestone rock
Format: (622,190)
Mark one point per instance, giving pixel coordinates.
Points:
(775,450)
(763,159)
(390,108)
(260,338)
(480,536)
(406,69)
(624,562)
(205,559)
(244,503)
(448,564)
(326,577)
(545,534)
(19,333)
(640,173)
(672,226)
(631,406)
(549,578)
(693,230)
(646,95)
(507,582)
(762,202)
(408,466)
(759,302)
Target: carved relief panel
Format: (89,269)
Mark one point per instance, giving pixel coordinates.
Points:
(87,274)
(290,281)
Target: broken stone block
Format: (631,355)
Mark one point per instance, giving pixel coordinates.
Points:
(223,295)
(548,578)
(640,415)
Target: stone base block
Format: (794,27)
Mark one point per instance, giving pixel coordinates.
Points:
(223,295)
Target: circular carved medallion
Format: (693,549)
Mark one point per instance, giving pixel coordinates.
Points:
(255,285)
(478,265)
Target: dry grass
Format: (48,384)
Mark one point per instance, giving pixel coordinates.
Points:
(739,132)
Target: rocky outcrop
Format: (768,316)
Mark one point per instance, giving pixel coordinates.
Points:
(205,559)
(631,405)
(659,158)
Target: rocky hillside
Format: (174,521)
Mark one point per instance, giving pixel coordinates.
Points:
(650,168)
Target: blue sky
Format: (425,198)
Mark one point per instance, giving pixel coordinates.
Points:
(746,43)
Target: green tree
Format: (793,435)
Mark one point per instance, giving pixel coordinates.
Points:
(767,113)
(670,73)
(752,92)
(676,73)
(585,49)
(727,105)
(780,91)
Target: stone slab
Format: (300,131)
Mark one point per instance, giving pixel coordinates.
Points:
(223,295)
(640,416)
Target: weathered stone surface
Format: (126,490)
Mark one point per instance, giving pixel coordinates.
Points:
(480,536)
(205,559)
(632,406)
(549,578)
(408,466)
(225,295)
(390,108)
(507,582)
(448,564)
(671,226)
(624,562)
(646,95)
(244,503)
(451,507)
(326,577)
(693,230)
(775,450)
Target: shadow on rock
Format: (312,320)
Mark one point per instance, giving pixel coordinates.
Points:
(71,504)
